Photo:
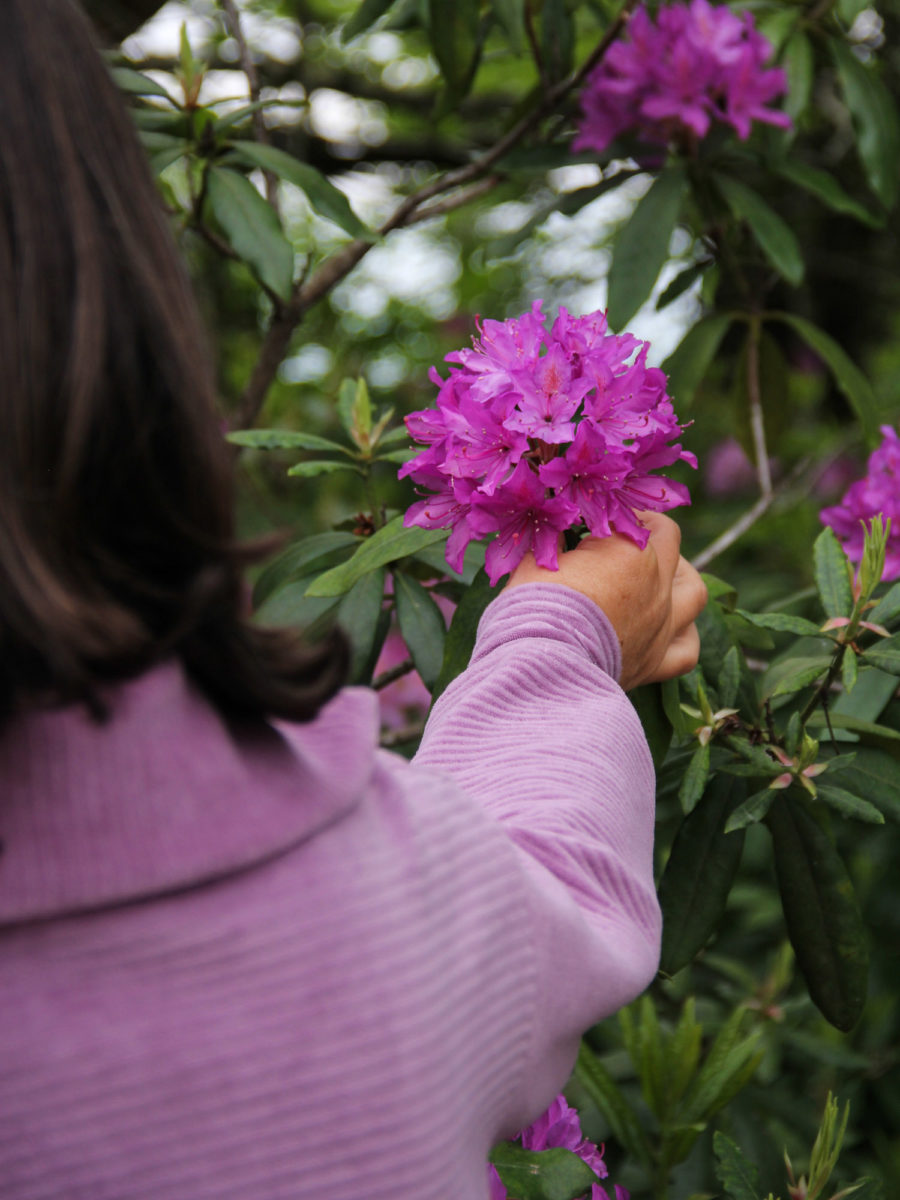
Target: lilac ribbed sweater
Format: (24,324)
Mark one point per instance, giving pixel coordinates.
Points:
(282,964)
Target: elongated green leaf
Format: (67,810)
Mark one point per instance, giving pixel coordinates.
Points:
(799,65)
(699,873)
(647,702)
(386,545)
(421,626)
(753,809)
(874,113)
(434,557)
(681,283)
(736,1173)
(832,575)
(164,158)
(642,246)
(888,607)
(875,776)
(321,466)
(800,673)
(870,696)
(461,635)
(290,606)
(322,195)
(236,116)
(138,84)
(557,39)
(618,1113)
(683,1052)
(305,557)
(365,16)
(555,1174)
(688,363)
(284,439)
(775,237)
(511,16)
(454,41)
(695,777)
(362,616)
(733,1056)
(848,377)
(849,805)
(820,911)
(885,655)
(823,185)
(849,670)
(782,623)
(252,229)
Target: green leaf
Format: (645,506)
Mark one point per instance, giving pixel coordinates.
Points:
(885,655)
(800,673)
(386,545)
(832,571)
(557,39)
(647,702)
(164,158)
(753,809)
(868,732)
(290,606)
(624,1126)
(421,626)
(455,41)
(874,114)
(460,640)
(364,619)
(698,875)
(735,1172)
(681,283)
(823,185)
(236,115)
(688,363)
(400,434)
(849,805)
(364,17)
(306,557)
(799,65)
(555,1174)
(252,229)
(327,200)
(510,15)
(849,670)
(821,913)
(730,677)
(695,777)
(642,246)
(848,377)
(782,623)
(321,466)
(888,607)
(473,561)
(732,1058)
(774,235)
(283,439)
(138,84)
(875,776)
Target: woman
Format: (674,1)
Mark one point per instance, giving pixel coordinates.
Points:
(243,952)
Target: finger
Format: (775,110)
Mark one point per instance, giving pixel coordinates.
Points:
(681,656)
(665,537)
(689,595)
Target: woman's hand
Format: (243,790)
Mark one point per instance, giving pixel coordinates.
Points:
(652,596)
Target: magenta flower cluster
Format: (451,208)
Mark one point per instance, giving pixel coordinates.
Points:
(877,492)
(538,431)
(559,1127)
(697,63)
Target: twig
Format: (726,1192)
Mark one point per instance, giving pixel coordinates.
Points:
(248,66)
(441,207)
(387,677)
(396,737)
(335,268)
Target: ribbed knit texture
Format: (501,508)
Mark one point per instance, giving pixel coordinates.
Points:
(255,964)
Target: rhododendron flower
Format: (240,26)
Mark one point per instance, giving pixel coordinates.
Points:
(697,63)
(559,1127)
(877,492)
(536,432)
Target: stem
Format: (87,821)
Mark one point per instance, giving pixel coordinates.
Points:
(339,265)
(371,495)
(825,686)
(386,677)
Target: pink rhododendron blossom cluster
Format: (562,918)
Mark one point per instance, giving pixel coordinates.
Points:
(537,431)
(877,492)
(697,63)
(559,1127)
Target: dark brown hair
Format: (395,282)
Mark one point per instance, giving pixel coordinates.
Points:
(116,506)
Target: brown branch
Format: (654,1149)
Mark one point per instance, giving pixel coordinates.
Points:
(395,673)
(339,265)
(248,66)
(441,207)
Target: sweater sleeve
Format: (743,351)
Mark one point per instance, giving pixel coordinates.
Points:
(539,733)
